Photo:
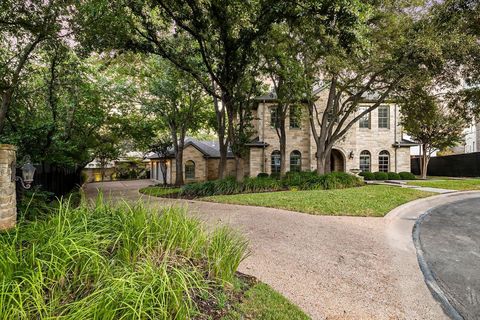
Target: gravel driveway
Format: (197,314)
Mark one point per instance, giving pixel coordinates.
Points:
(332,267)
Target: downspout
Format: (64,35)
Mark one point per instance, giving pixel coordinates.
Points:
(395,138)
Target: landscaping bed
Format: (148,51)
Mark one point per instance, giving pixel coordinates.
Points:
(126,262)
(372,200)
(293,181)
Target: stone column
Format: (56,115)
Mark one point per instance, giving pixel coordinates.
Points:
(8,205)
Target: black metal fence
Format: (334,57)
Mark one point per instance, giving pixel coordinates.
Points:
(56,179)
(458,165)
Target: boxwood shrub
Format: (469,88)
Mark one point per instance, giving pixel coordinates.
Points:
(262,175)
(380,175)
(367,175)
(407,175)
(393,176)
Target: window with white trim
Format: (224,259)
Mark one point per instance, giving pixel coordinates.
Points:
(365,161)
(384,161)
(384,117)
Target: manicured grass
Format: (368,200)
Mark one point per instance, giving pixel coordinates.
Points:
(466,184)
(263,303)
(374,201)
(157,191)
(123,261)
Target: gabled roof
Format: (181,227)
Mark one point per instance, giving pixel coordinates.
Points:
(209,149)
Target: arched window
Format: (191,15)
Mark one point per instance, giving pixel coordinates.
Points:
(189,169)
(275,163)
(295,161)
(365,163)
(384,161)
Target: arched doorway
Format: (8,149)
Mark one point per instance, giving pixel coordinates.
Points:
(337,161)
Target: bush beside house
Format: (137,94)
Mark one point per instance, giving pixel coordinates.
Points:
(264,183)
(368,176)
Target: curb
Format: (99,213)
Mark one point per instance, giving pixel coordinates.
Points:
(430,280)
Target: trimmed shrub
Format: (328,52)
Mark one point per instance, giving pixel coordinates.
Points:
(261,185)
(380,175)
(262,175)
(227,186)
(367,175)
(393,176)
(275,175)
(407,175)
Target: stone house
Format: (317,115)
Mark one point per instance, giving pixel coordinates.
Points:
(375,143)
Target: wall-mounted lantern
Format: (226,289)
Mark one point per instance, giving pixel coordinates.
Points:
(351,155)
(28,171)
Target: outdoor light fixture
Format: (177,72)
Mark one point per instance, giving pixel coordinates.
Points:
(28,171)
(351,155)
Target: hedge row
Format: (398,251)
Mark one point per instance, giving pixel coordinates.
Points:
(388,175)
(293,180)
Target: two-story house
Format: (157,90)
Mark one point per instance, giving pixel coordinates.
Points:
(375,143)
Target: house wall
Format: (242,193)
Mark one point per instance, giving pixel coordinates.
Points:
(373,139)
(212,165)
(201,170)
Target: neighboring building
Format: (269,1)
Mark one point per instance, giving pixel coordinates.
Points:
(201,159)
(375,143)
(472,137)
(131,165)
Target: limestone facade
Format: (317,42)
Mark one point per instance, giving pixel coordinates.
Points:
(374,139)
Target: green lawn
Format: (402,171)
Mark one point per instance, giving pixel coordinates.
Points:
(263,303)
(157,191)
(370,201)
(466,184)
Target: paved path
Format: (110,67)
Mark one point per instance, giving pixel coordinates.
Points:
(332,267)
(449,239)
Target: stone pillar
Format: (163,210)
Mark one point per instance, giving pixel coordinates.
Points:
(8,205)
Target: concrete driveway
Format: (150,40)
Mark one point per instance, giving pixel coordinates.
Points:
(449,242)
(332,267)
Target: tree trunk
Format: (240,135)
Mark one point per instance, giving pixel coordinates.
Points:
(239,168)
(222,144)
(163,169)
(6,98)
(179,164)
(283,149)
(425,159)
(222,164)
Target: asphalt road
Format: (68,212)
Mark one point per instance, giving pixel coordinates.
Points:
(449,238)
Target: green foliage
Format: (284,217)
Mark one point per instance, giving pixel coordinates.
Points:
(251,185)
(407,175)
(380,175)
(393,176)
(113,262)
(159,191)
(293,180)
(262,175)
(367,175)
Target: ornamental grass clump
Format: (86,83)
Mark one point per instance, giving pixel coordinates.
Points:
(114,262)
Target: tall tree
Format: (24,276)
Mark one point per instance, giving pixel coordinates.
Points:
(179,102)
(24,26)
(432,122)
(285,71)
(368,51)
(224,36)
